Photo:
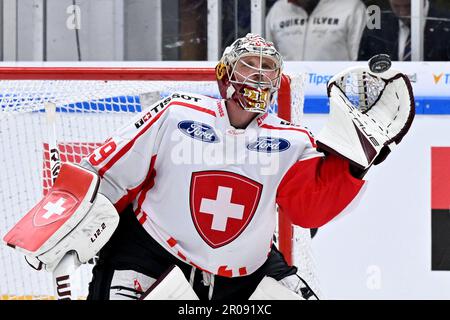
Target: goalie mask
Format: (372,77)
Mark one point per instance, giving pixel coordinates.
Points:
(249,72)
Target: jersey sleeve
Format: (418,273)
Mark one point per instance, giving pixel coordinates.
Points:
(310,150)
(125,161)
(316,189)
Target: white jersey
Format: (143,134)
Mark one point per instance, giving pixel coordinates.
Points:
(332,31)
(203,190)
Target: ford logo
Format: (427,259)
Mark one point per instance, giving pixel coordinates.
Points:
(199,131)
(267,144)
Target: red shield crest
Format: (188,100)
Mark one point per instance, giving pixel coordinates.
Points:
(222,205)
(55,206)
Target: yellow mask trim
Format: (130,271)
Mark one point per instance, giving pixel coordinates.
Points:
(221,70)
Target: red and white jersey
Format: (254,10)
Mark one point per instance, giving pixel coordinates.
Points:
(207,192)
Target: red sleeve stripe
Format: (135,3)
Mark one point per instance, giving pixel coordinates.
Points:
(147,185)
(142,218)
(182,256)
(311,139)
(131,194)
(123,202)
(130,144)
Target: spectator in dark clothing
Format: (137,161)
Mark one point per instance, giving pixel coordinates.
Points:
(394,36)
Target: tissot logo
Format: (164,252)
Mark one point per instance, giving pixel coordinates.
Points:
(267,144)
(198,131)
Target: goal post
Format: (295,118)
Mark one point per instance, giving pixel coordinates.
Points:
(110,96)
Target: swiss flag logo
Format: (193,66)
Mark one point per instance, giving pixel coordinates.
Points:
(222,205)
(55,206)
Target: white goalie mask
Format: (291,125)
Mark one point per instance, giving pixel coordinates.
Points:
(249,72)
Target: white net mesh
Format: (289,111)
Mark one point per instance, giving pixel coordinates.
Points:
(302,253)
(87,113)
(361,88)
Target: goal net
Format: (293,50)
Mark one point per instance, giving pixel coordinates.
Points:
(91,103)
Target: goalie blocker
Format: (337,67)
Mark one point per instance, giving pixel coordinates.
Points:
(366,128)
(72,217)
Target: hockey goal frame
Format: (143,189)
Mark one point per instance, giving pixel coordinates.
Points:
(285,241)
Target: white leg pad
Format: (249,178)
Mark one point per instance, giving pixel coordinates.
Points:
(172,286)
(271,289)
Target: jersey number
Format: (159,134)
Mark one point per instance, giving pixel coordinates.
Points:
(100,154)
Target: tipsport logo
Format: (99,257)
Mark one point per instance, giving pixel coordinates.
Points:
(319,79)
(441,78)
(322,79)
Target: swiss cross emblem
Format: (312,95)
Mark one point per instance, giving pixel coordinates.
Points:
(54,207)
(222,205)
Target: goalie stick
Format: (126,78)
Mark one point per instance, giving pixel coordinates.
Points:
(61,276)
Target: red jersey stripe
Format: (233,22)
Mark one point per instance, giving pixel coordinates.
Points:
(224,272)
(171,242)
(147,185)
(130,144)
(143,218)
(243,271)
(182,256)
(132,193)
(192,106)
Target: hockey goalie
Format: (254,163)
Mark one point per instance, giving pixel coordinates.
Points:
(181,202)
